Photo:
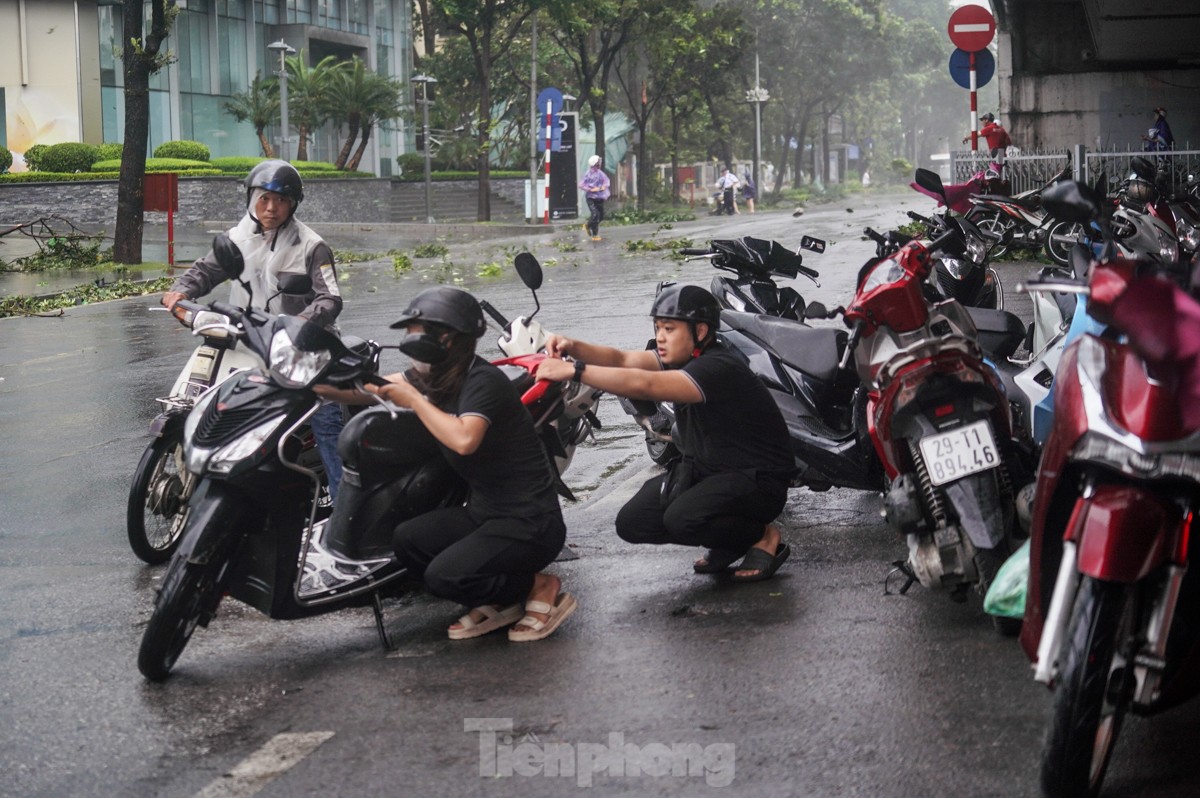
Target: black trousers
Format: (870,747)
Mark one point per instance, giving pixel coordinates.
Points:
(596,207)
(725,511)
(727,201)
(479,561)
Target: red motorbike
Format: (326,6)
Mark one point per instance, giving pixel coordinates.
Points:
(1112,614)
(937,415)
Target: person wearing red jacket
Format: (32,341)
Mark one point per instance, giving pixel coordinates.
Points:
(997,137)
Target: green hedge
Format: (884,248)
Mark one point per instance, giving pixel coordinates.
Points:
(159,165)
(242,164)
(33,156)
(110,152)
(69,156)
(187,150)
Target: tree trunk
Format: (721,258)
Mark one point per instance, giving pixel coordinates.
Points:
(674,157)
(139,63)
(267,150)
(483,66)
(302,145)
(348,143)
(362,146)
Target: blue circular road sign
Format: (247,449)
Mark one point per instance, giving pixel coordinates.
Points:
(960,67)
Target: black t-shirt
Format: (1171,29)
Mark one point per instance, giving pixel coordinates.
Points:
(737,426)
(509,474)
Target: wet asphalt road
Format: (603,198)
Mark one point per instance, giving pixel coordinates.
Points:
(814,683)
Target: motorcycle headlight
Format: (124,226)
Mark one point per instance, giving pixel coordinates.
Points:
(293,367)
(216,322)
(225,458)
(957,268)
(735,301)
(1189,235)
(976,249)
(1168,246)
(885,272)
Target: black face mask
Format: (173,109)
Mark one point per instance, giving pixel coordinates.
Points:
(424,347)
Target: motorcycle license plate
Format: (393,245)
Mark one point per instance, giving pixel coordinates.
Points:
(959,452)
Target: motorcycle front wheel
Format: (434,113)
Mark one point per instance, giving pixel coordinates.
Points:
(1092,693)
(1061,238)
(188,597)
(157,506)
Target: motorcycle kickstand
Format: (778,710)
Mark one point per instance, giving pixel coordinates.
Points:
(902,567)
(377,606)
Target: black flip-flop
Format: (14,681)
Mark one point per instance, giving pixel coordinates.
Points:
(766,565)
(716,561)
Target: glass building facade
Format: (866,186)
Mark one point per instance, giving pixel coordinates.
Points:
(220,45)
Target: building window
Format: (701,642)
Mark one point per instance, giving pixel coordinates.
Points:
(299,11)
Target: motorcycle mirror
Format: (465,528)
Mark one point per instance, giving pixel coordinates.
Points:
(228,256)
(294,284)
(812,244)
(529,269)
(1072,201)
(816,310)
(930,182)
(1142,167)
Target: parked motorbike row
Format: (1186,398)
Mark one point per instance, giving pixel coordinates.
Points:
(924,402)
(920,398)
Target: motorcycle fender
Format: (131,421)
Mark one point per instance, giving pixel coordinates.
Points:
(212,519)
(165,423)
(1123,533)
(981,513)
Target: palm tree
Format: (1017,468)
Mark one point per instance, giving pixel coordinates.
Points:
(259,106)
(308,95)
(387,103)
(360,98)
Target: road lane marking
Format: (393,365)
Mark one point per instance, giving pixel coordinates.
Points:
(265,765)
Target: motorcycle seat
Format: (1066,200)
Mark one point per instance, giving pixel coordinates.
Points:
(815,351)
(1031,203)
(1000,332)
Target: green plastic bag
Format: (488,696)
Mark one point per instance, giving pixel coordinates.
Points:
(1006,596)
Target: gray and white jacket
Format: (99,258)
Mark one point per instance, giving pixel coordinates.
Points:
(293,248)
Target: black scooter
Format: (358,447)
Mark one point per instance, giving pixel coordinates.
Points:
(824,407)
(254,530)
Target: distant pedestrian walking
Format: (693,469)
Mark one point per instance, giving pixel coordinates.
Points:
(728,183)
(749,191)
(595,186)
(1159,138)
(997,137)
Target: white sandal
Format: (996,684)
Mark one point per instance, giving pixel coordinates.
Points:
(495,617)
(564,605)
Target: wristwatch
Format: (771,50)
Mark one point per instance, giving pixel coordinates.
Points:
(579,367)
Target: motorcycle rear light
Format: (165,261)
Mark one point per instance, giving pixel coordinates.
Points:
(943,411)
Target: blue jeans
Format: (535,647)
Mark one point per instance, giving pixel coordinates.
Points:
(326,426)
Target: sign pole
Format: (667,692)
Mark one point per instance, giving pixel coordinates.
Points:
(549,118)
(974,108)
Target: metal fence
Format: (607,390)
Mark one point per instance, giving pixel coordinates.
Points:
(1031,170)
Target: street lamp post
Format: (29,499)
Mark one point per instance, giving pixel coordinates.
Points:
(758,96)
(425,80)
(284,50)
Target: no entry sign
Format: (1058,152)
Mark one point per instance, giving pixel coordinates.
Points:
(971,28)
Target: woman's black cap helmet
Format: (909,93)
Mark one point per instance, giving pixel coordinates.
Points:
(450,307)
(687,303)
(277,176)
